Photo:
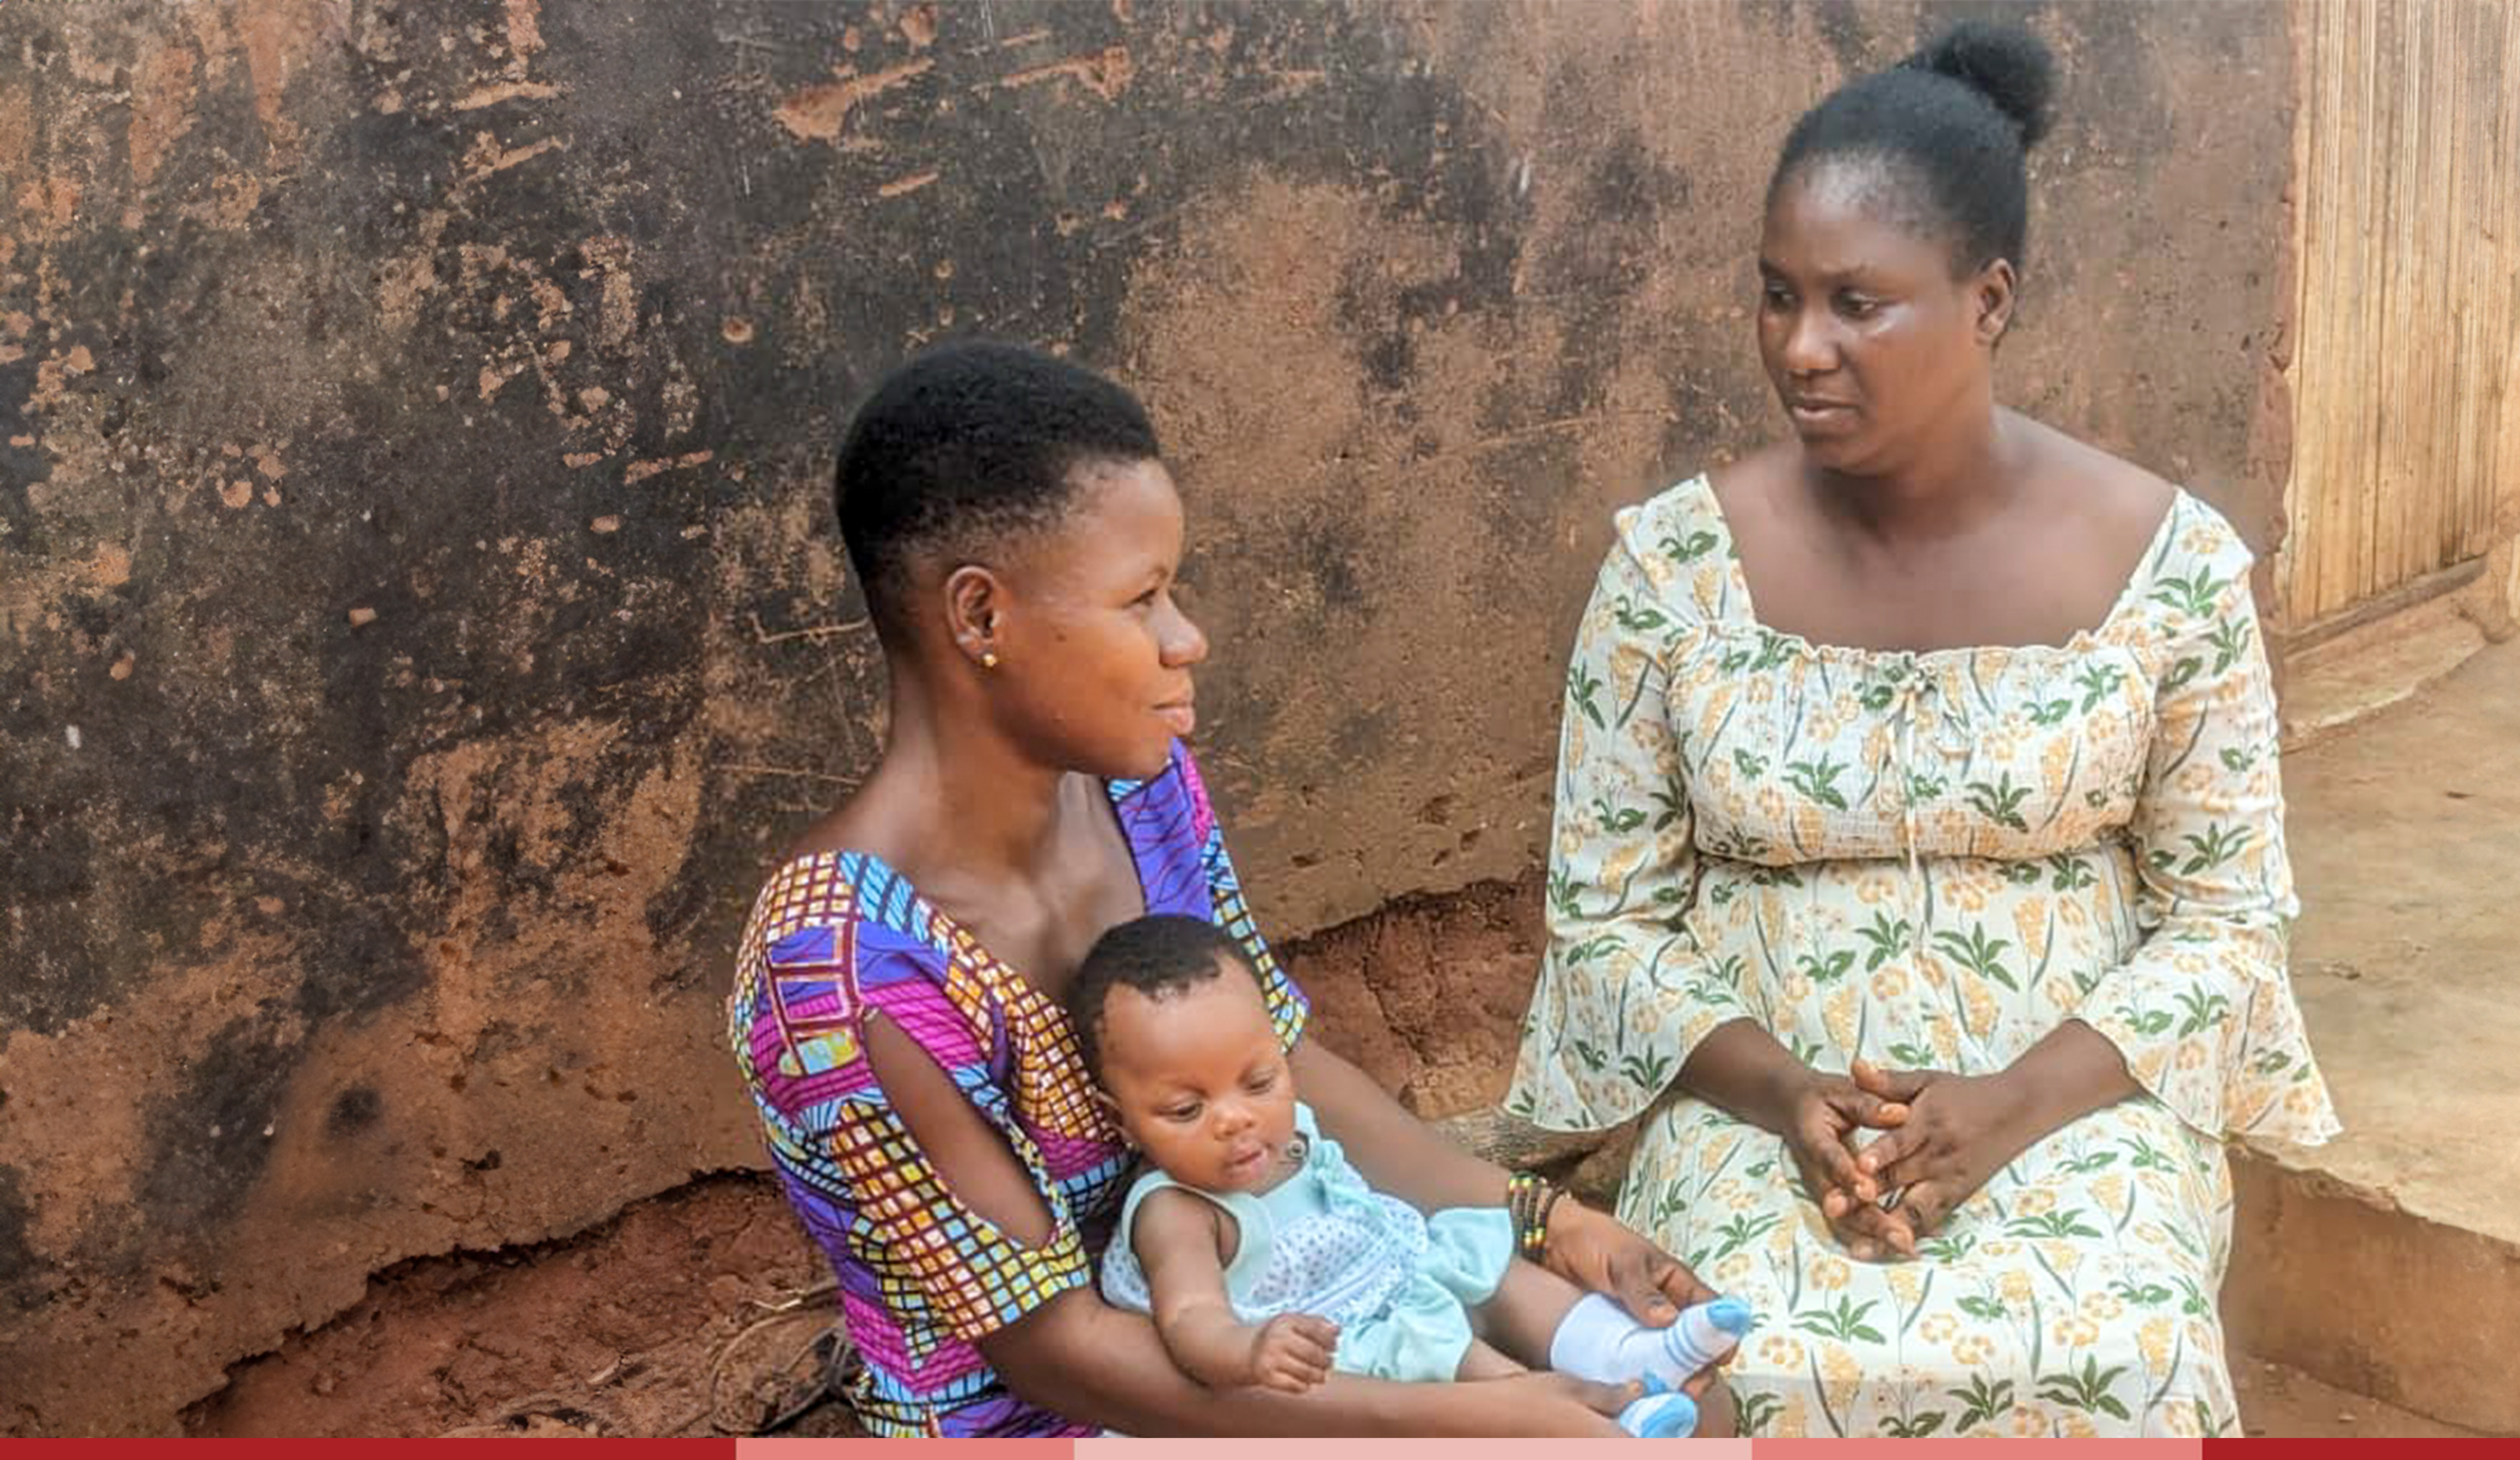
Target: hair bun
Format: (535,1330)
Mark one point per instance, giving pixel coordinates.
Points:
(2006,65)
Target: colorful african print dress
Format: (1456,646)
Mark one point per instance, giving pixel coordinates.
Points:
(922,1277)
(1931,860)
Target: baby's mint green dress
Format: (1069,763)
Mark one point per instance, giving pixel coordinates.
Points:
(1397,1282)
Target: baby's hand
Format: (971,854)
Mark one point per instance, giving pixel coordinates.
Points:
(1291,1352)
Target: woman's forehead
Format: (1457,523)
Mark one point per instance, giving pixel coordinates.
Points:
(1126,493)
(1840,222)
(1124,519)
(1881,189)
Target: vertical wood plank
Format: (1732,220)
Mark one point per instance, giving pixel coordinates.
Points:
(2406,392)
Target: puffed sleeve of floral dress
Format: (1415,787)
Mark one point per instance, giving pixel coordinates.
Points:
(1624,991)
(2203,1010)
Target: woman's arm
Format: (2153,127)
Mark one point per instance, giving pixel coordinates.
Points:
(1079,1358)
(1394,1150)
(1959,1129)
(2203,1013)
(1625,994)
(1627,1001)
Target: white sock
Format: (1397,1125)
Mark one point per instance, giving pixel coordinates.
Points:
(1600,1342)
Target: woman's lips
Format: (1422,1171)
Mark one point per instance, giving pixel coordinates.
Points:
(1182,716)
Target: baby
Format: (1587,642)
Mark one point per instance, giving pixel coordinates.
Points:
(1262,1255)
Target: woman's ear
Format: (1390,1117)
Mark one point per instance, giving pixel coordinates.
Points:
(973,600)
(1993,292)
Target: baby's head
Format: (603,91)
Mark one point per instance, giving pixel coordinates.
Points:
(1169,1013)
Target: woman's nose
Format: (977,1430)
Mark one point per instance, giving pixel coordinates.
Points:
(1184,644)
(1809,347)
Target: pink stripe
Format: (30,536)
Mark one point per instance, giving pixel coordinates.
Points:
(826,1007)
(872,1329)
(1202,816)
(1068,1155)
(935,1026)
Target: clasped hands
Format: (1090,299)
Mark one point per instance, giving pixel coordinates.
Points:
(1889,1154)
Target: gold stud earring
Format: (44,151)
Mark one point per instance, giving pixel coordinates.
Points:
(988,659)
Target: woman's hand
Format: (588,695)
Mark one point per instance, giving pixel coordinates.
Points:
(1599,1254)
(1962,1128)
(1959,1130)
(1821,1115)
(1740,1068)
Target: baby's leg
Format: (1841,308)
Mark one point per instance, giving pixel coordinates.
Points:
(1523,1314)
(1480,1361)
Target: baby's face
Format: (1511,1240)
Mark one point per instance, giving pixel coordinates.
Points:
(1200,1083)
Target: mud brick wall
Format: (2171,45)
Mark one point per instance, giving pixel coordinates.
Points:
(419,623)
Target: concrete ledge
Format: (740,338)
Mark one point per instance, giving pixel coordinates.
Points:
(2387,1261)
(2338,681)
(2342,1284)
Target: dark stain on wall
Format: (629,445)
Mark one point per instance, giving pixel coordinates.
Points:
(19,1289)
(206,1139)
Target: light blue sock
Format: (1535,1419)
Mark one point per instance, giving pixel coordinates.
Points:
(1600,1342)
(1660,1416)
(1706,1332)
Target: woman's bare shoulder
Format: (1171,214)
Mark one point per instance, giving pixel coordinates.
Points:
(1750,485)
(2110,502)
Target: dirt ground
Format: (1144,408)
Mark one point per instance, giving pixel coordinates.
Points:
(658,1323)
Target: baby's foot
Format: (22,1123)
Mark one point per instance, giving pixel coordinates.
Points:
(1597,1340)
(1662,1414)
(1704,1333)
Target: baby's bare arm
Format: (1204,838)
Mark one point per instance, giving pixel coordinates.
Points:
(1183,1243)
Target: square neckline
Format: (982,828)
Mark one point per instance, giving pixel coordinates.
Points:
(2130,595)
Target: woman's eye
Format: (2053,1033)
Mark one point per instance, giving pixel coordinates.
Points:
(1856,306)
(1775,298)
(1180,1112)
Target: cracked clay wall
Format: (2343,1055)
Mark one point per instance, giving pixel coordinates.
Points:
(417,623)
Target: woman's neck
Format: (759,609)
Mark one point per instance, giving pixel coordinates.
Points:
(1947,489)
(951,789)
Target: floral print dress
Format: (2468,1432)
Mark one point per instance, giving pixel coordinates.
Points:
(1931,860)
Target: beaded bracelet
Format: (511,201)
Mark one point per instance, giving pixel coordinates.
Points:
(1520,1188)
(1528,1201)
(1540,1222)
